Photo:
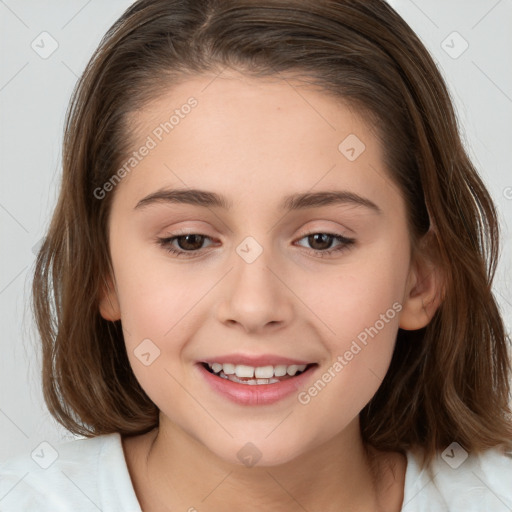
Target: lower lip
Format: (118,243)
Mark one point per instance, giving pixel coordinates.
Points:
(257,394)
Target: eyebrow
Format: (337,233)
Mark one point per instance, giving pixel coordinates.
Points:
(299,201)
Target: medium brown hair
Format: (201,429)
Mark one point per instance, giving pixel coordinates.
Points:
(448,381)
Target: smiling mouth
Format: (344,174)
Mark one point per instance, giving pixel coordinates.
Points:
(260,375)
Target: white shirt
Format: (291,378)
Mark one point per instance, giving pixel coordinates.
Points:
(90,475)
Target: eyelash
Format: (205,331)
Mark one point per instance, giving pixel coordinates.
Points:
(345,244)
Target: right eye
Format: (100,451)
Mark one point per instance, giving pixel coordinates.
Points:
(187,244)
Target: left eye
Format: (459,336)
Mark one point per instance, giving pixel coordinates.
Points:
(190,244)
(323,242)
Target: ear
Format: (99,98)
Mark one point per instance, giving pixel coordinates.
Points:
(109,303)
(424,291)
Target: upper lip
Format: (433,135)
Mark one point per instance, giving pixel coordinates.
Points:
(255,360)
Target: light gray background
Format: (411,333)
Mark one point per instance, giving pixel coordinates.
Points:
(34,93)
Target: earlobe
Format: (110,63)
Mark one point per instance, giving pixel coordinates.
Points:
(109,303)
(423,296)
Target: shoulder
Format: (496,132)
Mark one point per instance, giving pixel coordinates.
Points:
(85,474)
(459,481)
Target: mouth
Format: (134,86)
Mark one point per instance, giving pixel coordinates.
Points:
(256,375)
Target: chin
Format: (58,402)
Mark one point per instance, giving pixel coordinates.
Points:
(259,452)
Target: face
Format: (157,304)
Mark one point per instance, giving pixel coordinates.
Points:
(264,280)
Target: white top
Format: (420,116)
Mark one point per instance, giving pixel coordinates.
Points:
(91,475)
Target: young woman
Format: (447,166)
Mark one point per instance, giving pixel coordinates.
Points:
(267,282)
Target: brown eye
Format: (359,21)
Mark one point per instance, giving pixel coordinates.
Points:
(321,244)
(320,241)
(190,242)
(187,244)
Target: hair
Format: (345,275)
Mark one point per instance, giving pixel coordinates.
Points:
(446,382)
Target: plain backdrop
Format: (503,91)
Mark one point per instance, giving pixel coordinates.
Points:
(470,40)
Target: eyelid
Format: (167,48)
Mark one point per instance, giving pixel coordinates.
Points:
(326,231)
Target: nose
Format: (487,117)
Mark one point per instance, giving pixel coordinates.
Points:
(255,296)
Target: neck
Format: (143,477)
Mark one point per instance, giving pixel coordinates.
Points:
(179,473)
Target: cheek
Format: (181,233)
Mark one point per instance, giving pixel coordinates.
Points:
(359,304)
(365,321)
(353,297)
(154,295)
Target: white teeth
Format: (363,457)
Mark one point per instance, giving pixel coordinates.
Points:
(228,368)
(301,367)
(250,382)
(216,367)
(244,371)
(256,373)
(280,371)
(264,372)
(292,370)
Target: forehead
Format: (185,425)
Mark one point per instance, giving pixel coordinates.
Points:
(226,100)
(262,135)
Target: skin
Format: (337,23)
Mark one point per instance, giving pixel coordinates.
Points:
(256,141)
